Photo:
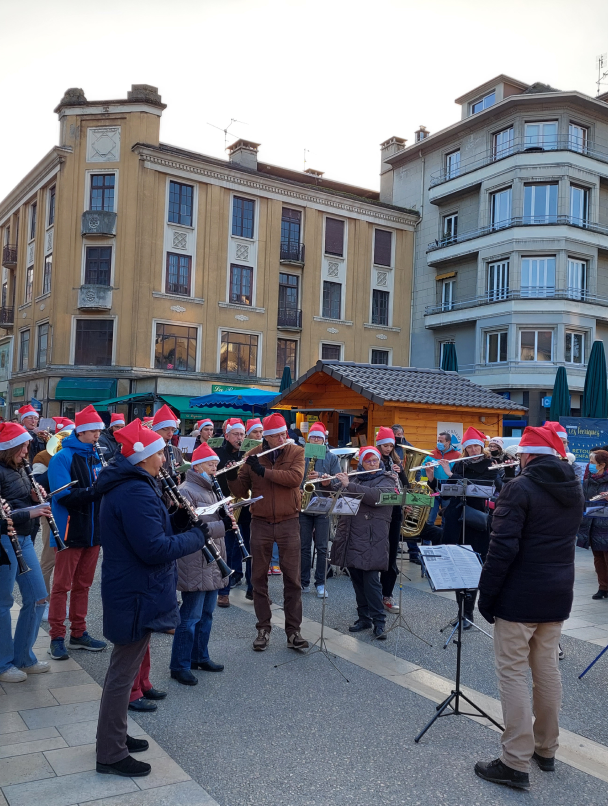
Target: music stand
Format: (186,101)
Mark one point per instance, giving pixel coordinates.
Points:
(400,620)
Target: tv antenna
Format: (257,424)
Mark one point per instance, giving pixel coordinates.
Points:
(232,120)
(602,71)
(306,151)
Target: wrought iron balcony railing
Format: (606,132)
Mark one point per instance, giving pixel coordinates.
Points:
(502,294)
(292,252)
(9,256)
(290,317)
(7,316)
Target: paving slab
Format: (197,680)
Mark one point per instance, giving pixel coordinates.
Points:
(70,694)
(18,769)
(60,714)
(33,746)
(164,771)
(68,789)
(22,699)
(77,677)
(78,733)
(11,723)
(82,758)
(187,793)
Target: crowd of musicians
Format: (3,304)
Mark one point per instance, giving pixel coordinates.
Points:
(167,525)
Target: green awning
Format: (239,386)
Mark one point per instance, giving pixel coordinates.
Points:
(85,389)
(182,404)
(111,401)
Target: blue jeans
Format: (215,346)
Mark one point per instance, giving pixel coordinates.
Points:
(191,639)
(17,651)
(275,555)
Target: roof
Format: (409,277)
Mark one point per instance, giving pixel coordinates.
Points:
(487,85)
(382,384)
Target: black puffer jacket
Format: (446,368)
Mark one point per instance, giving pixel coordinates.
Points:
(108,441)
(528,575)
(227,453)
(15,488)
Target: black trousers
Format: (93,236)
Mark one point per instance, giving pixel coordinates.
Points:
(389,577)
(368,593)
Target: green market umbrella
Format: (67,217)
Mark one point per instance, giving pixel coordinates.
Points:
(449,361)
(285,380)
(560,399)
(595,394)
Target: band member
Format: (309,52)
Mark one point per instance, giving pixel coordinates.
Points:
(316,526)
(526,591)
(254,428)
(76,512)
(141,545)
(277,477)
(28,417)
(107,440)
(203,431)
(228,453)
(362,540)
(165,423)
(446,448)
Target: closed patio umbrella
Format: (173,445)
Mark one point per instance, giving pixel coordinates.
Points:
(560,399)
(285,380)
(595,394)
(449,361)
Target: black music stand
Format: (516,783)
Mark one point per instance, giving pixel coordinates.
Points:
(400,622)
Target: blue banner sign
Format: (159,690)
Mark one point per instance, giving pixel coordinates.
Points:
(584,434)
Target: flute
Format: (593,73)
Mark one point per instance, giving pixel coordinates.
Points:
(505,464)
(353,473)
(451,461)
(5,513)
(243,461)
(39,494)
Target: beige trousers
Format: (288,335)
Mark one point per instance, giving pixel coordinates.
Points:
(518,647)
(47,556)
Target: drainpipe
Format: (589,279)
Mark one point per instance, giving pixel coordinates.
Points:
(416,233)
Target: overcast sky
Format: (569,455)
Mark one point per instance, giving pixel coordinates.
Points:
(335,77)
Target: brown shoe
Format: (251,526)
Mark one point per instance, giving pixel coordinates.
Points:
(223,601)
(262,641)
(295,641)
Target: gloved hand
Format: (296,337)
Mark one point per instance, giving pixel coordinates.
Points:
(204,529)
(227,521)
(254,464)
(485,610)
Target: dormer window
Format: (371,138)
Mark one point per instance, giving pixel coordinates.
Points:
(483,103)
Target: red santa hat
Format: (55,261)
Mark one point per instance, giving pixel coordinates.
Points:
(558,428)
(317,430)
(117,419)
(235,424)
(202,423)
(367,450)
(27,411)
(385,435)
(541,440)
(164,418)
(63,424)
(88,420)
(12,434)
(274,424)
(147,421)
(473,436)
(251,424)
(204,454)
(138,442)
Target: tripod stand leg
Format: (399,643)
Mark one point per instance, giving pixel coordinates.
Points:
(440,712)
(480,711)
(593,662)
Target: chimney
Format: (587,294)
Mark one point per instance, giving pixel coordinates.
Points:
(391,146)
(146,94)
(244,153)
(421,134)
(314,172)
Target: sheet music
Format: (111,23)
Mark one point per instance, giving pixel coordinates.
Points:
(451,567)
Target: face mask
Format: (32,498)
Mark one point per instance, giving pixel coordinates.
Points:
(495,452)
(206,475)
(593,468)
(441,447)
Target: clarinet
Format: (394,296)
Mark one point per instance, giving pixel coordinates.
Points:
(219,495)
(172,460)
(51,520)
(100,454)
(210,550)
(5,513)
(167,489)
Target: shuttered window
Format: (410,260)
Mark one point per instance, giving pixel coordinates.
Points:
(334,237)
(382,247)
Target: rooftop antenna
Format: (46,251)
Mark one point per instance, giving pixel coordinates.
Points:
(602,71)
(232,120)
(306,151)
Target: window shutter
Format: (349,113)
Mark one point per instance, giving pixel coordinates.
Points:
(382,247)
(334,237)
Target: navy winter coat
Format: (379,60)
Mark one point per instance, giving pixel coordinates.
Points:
(140,546)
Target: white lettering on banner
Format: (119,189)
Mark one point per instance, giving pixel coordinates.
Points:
(451,428)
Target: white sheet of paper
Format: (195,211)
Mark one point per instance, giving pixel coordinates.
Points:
(451,567)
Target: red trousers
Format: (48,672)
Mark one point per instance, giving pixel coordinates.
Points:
(142,681)
(74,572)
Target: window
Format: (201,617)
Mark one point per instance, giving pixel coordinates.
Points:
(291,224)
(98,263)
(383,242)
(331,352)
(334,237)
(536,345)
(175,347)
(483,103)
(24,349)
(579,206)
(442,345)
(577,138)
(538,277)
(239,353)
(332,300)
(289,293)
(452,164)
(450,228)
(179,269)
(180,204)
(243,211)
(46,274)
(102,192)
(498,280)
(287,350)
(380,357)
(496,347)
(29,284)
(380,300)
(577,278)
(540,204)
(51,219)
(33,215)
(541,136)
(447,295)
(241,284)
(502,143)
(43,344)
(94,339)
(500,209)
(575,348)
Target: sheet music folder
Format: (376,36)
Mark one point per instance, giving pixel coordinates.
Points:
(451,568)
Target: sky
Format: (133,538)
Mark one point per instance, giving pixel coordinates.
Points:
(321,80)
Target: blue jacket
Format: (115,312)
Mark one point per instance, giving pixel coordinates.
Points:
(140,546)
(76,510)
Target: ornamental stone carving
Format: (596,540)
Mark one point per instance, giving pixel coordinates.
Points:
(241,317)
(381,278)
(178,308)
(98,297)
(103,144)
(30,254)
(381,336)
(242,251)
(332,330)
(49,241)
(98,222)
(333,269)
(180,240)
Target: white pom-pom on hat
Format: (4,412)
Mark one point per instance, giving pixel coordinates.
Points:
(138,446)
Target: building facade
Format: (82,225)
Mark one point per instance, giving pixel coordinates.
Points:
(131,266)
(511,255)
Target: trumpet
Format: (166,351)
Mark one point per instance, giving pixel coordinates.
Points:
(243,461)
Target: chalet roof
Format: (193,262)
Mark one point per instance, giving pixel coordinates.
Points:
(382,384)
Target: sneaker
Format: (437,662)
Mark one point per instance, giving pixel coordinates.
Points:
(235,581)
(379,633)
(276,570)
(13,675)
(223,601)
(37,668)
(321,592)
(498,773)
(262,641)
(295,641)
(305,588)
(127,767)
(270,570)
(560,652)
(45,615)
(390,604)
(57,649)
(86,641)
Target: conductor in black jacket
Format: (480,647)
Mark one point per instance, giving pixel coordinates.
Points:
(526,590)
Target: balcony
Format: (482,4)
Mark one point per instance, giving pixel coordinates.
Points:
(290,318)
(292,252)
(520,145)
(7,317)
(98,222)
(9,256)
(95,297)
(500,295)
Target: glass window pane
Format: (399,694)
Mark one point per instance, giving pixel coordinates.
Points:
(528,341)
(544,348)
(503,346)
(493,348)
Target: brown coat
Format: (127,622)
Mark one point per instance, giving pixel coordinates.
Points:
(280,484)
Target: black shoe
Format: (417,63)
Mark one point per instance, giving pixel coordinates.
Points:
(415,559)
(249,596)
(136,745)
(142,705)
(235,581)
(359,625)
(127,767)
(208,666)
(498,773)
(154,694)
(468,622)
(184,677)
(379,634)
(600,594)
(546,764)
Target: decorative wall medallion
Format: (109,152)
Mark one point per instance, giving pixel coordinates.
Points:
(381,336)
(180,240)
(178,309)
(49,241)
(103,144)
(333,269)
(24,314)
(332,330)
(30,254)
(90,295)
(381,278)
(242,251)
(241,317)
(94,222)
(42,307)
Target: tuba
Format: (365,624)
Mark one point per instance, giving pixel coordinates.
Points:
(309,488)
(413,522)
(54,443)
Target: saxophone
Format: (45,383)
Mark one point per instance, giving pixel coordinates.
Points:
(309,488)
